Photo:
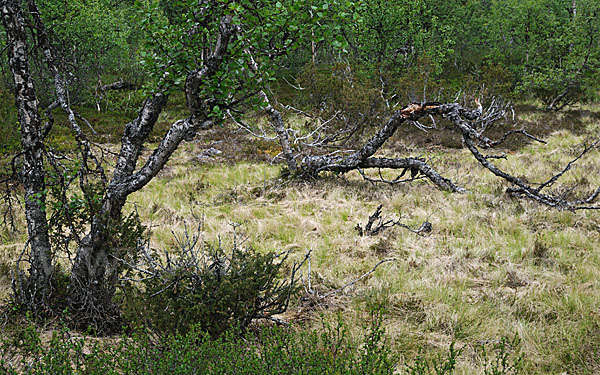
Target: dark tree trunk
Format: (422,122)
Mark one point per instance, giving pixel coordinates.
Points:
(95,270)
(32,143)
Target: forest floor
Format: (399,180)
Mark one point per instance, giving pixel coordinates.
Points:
(493,266)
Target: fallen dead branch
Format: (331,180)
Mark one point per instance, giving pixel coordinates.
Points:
(377,224)
(314,296)
(470,124)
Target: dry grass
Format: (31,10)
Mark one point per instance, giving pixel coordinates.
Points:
(493,266)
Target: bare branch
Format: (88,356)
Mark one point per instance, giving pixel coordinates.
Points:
(523,188)
(358,279)
(276,122)
(118,85)
(555,178)
(511,132)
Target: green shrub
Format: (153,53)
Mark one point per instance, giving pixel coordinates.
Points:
(206,286)
(438,366)
(502,358)
(25,353)
(272,351)
(328,350)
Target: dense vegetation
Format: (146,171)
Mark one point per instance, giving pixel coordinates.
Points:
(148,115)
(545,50)
(272,351)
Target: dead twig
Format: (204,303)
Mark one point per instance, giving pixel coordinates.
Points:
(358,279)
(377,224)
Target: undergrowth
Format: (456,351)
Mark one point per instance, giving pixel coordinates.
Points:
(328,350)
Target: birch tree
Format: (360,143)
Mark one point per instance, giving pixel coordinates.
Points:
(220,53)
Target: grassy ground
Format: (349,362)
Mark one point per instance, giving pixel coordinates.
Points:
(493,265)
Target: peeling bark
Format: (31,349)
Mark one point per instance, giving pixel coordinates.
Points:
(94,269)
(279,127)
(277,123)
(32,143)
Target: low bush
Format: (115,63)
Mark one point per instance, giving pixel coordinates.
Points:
(271,351)
(328,350)
(209,287)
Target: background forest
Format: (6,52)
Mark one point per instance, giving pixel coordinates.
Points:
(309,186)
